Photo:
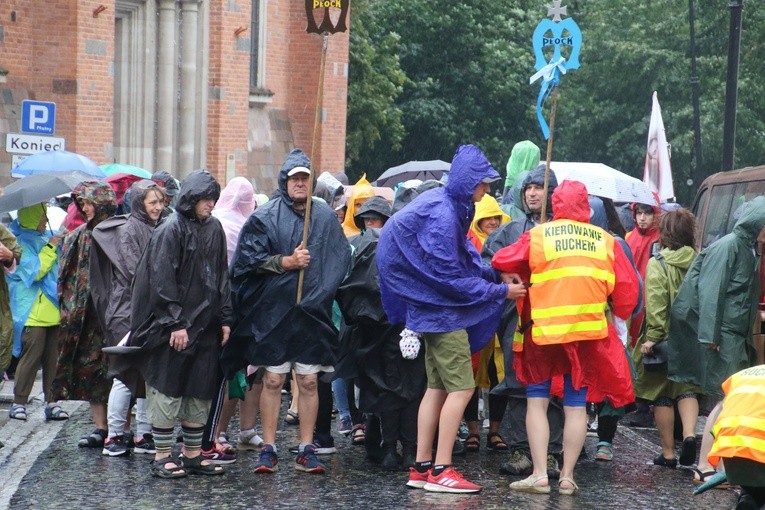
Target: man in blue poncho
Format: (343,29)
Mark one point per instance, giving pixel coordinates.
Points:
(432,279)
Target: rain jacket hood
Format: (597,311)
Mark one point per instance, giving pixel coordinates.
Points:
(236,203)
(362,190)
(537,176)
(523,157)
(101,194)
(431,276)
(486,208)
(570,201)
(294,159)
(199,185)
(751,221)
(376,205)
(29,217)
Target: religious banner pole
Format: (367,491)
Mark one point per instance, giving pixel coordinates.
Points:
(325,29)
(553,33)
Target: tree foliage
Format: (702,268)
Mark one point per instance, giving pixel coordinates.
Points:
(467,64)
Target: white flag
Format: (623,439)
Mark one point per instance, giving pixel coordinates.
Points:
(657,173)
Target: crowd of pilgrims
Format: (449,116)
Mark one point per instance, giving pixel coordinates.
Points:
(72,294)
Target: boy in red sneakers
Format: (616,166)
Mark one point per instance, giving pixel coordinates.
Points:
(432,279)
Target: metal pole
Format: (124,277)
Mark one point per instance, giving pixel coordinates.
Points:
(731,88)
(698,174)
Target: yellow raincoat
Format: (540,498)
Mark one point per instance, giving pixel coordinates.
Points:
(362,190)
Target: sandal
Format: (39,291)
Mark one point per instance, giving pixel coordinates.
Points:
(94,440)
(530,485)
(572,491)
(605,451)
(700,477)
(160,469)
(358,435)
(196,466)
(55,413)
(499,445)
(473,443)
(18,412)
(292,418)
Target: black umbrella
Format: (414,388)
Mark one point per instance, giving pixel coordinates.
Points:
(422,170)
(39,188)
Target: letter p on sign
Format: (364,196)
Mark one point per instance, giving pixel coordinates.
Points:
(38,117)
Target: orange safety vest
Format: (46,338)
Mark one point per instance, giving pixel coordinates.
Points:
(740,428)
(572,275)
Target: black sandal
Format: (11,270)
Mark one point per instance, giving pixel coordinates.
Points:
(358,435)
(194,466)
(499,445)
(94,440)
(473,443)
(292,418)
(160,470)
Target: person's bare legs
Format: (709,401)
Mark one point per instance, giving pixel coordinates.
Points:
(449,423)
(98,415)
(427,422)
(308,406)
(689,414)
(248,408)
(226,412)
(270,401)
(574,434)
(707,439)
(665,423)
(538,429)
(295,391)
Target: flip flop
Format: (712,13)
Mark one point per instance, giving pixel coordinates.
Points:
(700,477)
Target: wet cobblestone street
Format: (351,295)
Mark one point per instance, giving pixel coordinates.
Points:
(67,477)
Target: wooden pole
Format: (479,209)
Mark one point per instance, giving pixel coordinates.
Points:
(553,110)
(316,122)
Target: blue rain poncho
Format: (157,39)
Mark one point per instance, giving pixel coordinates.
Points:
(431,276)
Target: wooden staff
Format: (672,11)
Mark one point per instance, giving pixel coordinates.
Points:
(316,121)
(553,110)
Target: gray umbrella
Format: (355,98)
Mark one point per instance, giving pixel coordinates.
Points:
(39,188)
(422,170)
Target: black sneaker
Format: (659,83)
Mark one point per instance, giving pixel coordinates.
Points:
(661,461)
(688,451)
(145,445)
(116,447)
(519,464)
(321,446)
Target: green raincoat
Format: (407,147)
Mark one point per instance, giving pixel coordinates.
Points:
(716,304)
(661,288)
(6,319)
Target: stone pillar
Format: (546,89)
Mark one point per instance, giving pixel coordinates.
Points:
(166,86)
(188,100)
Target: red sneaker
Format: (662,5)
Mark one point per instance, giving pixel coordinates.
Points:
(417,480)
(450,480)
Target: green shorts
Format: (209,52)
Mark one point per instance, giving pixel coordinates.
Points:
(447,361)
(165,411)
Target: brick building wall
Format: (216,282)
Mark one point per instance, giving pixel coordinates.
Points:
(64,54)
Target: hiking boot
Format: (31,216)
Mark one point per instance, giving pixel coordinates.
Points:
(267,460)
(417,480)
(519,464)
(145,445)
(450,480)
(307,461)
(115,447)
(216,455)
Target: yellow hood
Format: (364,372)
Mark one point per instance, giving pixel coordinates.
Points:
(362,190)
(487,208)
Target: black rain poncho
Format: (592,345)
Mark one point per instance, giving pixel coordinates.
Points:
(369,343)
(269,327)
(182,282)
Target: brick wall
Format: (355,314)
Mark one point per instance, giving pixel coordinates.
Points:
(229,72)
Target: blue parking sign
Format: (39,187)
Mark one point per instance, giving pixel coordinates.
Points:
(38,117)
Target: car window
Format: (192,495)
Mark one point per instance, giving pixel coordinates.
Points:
(722,205)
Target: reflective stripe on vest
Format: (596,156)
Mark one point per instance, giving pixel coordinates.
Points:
(572,272)
(740,428)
